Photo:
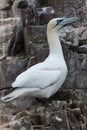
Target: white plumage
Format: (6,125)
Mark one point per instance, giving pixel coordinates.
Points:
(44,79)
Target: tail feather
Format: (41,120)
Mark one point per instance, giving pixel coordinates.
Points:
(20,92)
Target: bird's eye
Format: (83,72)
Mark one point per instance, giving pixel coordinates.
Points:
(58,21)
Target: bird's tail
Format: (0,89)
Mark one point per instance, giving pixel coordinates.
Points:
(20,92)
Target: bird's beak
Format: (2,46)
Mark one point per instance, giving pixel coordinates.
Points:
(69,20)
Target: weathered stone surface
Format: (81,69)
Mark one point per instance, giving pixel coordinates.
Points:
(56,115)
(5,8)
(15,10)
(10,68)
(31,33)
(26,13)
(2,73)
(65,110)
(69,8)
(75,56)
(44,15)
(62,8)
(22,4)
(7,26)
(5,4)
(16,42)
(11,33)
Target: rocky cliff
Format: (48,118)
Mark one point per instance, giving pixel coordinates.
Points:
(23,43)
(23,33)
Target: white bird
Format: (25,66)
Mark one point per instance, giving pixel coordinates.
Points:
(44,79)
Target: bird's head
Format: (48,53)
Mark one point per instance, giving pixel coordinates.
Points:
(58,23)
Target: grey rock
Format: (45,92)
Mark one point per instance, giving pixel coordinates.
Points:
(66,109)
(45,14)
(23,4)
(24,102)
(5,8)
(25,10)
(8,35)
(16,66)
(69,8)
(16,44)
(5,4)
(75,63)
(31,35)
(32,61)
(10,68)
(65,116)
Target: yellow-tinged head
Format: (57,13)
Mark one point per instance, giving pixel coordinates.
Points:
(57,23)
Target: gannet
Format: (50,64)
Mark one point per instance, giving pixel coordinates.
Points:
(44,79)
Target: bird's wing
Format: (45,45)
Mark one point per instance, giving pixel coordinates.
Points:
(37,79)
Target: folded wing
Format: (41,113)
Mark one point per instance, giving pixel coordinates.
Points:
(37,79)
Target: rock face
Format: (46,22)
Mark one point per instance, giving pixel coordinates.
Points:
(55,116)
(75,55)
(5,4)
(69,8)
(19,34)
(5,8)
(11,33)
(10,67)
(7,26)
(23,43)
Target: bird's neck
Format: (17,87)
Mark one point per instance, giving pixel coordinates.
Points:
(54,43)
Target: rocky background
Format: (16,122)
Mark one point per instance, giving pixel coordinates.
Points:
(23,43)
